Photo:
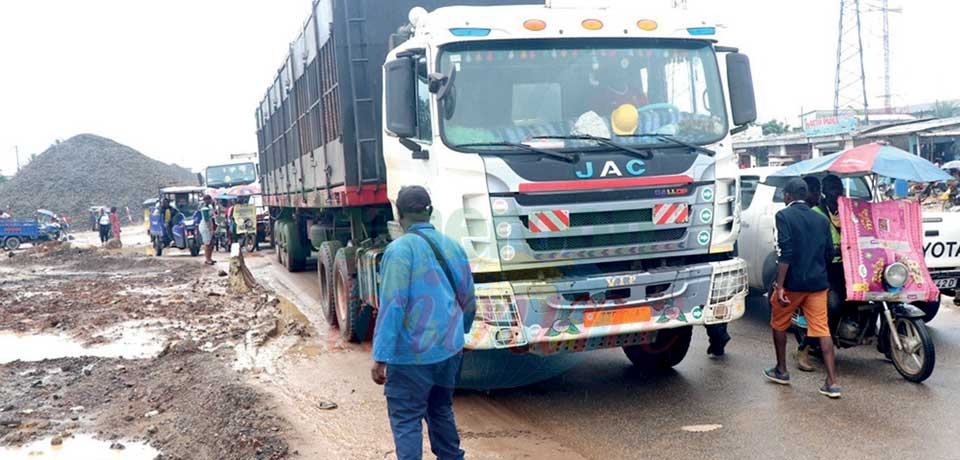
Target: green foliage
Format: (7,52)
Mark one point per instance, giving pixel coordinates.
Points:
(775,127)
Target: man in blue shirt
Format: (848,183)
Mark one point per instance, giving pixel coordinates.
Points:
(427,304)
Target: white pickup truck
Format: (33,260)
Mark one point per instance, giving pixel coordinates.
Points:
(757,245)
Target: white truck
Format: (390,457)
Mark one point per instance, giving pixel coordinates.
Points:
(580,154)
(757,243)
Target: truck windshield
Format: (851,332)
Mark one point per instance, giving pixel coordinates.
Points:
(231,175)
(516,91)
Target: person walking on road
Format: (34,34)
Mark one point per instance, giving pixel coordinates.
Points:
(206,229)
(104,226)
(114,224)
(803,240)
(427,305)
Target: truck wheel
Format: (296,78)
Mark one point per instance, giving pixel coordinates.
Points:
(326,261)
(157,246)
(346,292)
(293,249)
(930,309)
(666,351)
(12,243)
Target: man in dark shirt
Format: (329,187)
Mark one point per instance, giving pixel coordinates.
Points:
(803,239)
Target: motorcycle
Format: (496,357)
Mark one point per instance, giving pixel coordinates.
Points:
(903,336)
(882,251)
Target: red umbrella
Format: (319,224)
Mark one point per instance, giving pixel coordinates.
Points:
(243,190)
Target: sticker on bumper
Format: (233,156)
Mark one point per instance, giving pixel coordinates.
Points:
(670,214)
(555,220)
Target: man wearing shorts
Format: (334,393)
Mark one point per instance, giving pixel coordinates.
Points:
(805,246)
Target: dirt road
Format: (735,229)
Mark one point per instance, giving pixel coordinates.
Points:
(130,348)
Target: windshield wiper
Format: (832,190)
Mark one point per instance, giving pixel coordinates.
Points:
(677,142)
(604,141)
(554,155)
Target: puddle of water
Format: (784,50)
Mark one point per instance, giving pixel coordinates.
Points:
(700,428)
(126,343)
(79,447)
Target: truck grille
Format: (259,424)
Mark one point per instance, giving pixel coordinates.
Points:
(599,241)
(587,219)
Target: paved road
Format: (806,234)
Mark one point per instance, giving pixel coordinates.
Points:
(604,409)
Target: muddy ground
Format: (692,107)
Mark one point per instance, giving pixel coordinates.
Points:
(258,376)
(190,402)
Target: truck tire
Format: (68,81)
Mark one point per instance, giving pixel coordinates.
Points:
(665,352)
(326,260)
(12,243)
(347,292)
(294,252)
(930,309)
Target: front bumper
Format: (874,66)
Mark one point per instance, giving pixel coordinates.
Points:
(589,312)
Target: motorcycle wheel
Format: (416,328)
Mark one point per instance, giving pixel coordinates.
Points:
(194,248)
(157,246)
(251,242)
(916,360)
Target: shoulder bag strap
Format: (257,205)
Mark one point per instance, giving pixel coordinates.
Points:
(443,263)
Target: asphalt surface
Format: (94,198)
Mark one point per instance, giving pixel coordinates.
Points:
(721,408)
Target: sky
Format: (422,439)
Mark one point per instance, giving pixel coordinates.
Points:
(179,80)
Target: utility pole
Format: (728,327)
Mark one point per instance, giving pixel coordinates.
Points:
(16,151)
(887,95)
(850,84)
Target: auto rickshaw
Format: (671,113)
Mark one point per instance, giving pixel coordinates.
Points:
(177,224)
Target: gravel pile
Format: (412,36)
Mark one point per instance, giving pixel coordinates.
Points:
(88,170)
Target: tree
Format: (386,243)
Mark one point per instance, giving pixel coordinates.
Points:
(946,109)
(775,127)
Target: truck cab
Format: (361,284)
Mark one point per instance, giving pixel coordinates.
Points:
(579,156)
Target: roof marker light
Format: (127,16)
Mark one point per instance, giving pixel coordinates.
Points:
(647,25)
(535,25)
(469,32)
(699,31)
(592,24)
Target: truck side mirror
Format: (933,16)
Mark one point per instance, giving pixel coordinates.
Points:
(200,179)
(400,97)
(743,102)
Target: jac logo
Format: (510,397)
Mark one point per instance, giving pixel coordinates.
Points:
(633,167)
(671,191)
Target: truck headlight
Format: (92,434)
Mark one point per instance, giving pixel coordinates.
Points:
(895,276)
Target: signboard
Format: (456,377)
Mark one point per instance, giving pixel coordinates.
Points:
(875,235)
(830,126)
(245,218)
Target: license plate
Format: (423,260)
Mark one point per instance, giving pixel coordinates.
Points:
(593,318)
(948,283)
